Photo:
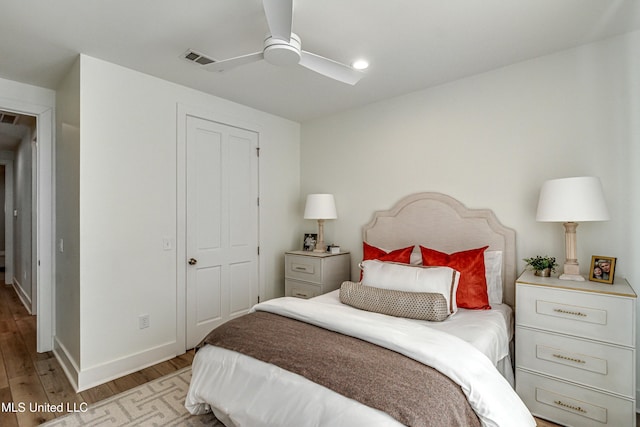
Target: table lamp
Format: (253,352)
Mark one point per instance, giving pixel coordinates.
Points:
(572,200)
(320,207)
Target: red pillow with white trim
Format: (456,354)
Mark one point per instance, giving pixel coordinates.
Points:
(398,255)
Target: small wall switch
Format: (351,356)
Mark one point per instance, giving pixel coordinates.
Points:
(61,245)
(143,321)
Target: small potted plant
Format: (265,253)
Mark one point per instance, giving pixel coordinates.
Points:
(542,265)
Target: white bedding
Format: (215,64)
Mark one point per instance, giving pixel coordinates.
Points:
(221,378)
(490,331)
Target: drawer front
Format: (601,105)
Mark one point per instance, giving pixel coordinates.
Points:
(585,362)
(305,268)
(572,405)
(591,315)
(297,289)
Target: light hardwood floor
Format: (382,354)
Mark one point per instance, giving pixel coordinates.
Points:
(28,376)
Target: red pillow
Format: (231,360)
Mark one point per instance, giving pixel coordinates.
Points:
(472,288)
(399,255)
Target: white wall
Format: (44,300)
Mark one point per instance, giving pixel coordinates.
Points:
(21,97)
(67,159)
(22,172)
(490,141)
(127,205)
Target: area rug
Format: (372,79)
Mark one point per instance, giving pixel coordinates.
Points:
(157,403)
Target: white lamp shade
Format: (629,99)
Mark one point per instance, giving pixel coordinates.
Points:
(320,206)
(576,199)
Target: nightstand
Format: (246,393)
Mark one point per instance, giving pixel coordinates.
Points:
(308,274)
(576,350)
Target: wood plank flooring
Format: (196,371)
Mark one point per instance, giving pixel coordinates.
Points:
(31,377)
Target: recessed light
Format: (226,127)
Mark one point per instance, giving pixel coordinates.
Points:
(360,64)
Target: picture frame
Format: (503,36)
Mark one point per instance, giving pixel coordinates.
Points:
(602,269)
(309,241)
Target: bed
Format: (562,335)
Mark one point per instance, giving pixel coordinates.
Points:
(395,370)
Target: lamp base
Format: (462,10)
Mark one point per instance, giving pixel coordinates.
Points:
(320,246)
(574,277)
(571,269)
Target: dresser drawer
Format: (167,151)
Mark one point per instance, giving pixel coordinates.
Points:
(589,363)
(596,316)
(293,288)
(305,268)
(572,405)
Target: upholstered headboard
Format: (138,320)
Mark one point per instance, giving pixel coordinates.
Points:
(441,222)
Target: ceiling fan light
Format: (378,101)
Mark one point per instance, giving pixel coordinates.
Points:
(360,64)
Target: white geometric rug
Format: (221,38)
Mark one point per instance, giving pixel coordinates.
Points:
(157,403)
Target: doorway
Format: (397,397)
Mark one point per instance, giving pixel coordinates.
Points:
(40,215)
(18,138)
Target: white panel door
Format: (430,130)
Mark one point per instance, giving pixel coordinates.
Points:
(221,225)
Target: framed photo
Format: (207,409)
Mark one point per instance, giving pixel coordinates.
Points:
(602,269)
(309,241)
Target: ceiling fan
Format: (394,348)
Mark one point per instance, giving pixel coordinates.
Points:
(283,48)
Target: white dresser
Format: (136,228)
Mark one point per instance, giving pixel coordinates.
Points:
(308,274)
(575,350)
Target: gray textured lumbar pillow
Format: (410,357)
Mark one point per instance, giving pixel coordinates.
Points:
(413,305)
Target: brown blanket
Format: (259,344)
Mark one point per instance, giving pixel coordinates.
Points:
(412,393)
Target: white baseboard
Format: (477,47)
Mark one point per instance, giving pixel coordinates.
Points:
(68,364)
(96,375)
(24,298)
(85,379)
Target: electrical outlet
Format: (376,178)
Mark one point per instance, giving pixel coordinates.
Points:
(143,321)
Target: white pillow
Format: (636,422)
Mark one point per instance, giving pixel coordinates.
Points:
(408,278)
(493,272)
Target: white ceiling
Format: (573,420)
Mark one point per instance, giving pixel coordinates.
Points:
(411,44)
(11,135)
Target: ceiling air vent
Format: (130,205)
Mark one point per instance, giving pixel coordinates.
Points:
(196,57)
(8,118)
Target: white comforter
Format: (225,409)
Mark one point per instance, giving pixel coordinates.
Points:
(280,398)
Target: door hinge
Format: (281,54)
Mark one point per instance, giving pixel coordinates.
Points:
(258,151)
(258,298)
(258,201)
(258,250)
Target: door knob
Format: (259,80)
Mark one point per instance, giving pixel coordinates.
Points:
(193,261)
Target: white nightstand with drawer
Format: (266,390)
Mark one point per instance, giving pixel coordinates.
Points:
(309,274)
(576,350)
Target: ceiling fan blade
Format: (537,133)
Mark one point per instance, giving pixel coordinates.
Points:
(228,64)
(330,68)
(279,15)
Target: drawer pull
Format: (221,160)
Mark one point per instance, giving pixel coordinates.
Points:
(571,359)
(566,405)
(300,268)
(574,313)
(300,295)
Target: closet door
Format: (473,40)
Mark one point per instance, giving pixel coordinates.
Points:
(221,224)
